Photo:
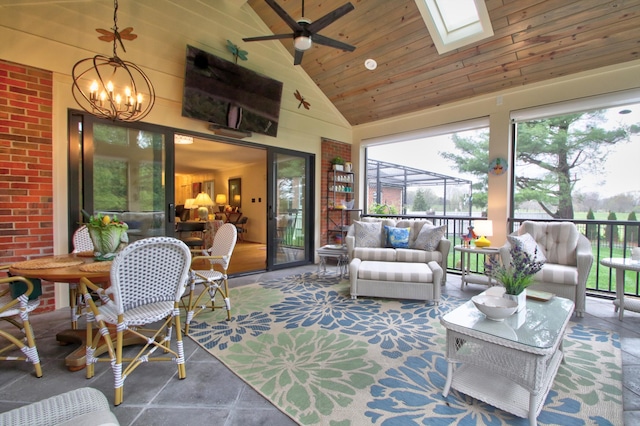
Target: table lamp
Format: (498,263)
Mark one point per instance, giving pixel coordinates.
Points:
(204,202)
(190,204)
(221,201)
(483,228)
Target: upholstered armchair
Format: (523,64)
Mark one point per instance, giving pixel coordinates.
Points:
(568,259)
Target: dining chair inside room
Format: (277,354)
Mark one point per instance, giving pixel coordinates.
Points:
(14,310)
(213,280)
(192,234)
(241,227)
(148,278)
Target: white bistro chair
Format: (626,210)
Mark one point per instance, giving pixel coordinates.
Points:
(214,281)
(148,278)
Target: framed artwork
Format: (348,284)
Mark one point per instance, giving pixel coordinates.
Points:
(207,186)
(196,188)
(235,193)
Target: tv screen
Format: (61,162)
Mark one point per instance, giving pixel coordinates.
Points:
(226,94)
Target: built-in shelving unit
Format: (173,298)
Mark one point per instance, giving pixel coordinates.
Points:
(340,201)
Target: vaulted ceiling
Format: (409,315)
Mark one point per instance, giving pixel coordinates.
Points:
(534,40)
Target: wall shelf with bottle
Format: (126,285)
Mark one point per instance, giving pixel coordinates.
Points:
(340,202)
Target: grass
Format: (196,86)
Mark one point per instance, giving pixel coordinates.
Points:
(601,278)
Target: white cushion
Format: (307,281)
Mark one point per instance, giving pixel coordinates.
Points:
(368,234)
(559,240)
(528,245)
(429,237)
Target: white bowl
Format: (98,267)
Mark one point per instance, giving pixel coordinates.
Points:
(495,308)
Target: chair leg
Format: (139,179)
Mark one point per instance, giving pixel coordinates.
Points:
(182,370)
(30,350)
(118,380)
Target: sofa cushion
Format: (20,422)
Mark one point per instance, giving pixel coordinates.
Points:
(415,225)
(396,237)
(529,246)
(368,234)
(381,254)
(387,271)
(429,237)
(417,256)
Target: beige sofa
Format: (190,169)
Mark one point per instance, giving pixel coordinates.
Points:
(411,272)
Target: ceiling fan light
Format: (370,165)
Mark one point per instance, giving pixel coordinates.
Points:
(302,43)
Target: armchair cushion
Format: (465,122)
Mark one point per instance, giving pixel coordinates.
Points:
(558,240)
(529,246)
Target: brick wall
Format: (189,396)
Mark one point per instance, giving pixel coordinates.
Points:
(330,150)
(26,167)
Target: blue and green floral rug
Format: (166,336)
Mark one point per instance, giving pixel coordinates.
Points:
(325,359)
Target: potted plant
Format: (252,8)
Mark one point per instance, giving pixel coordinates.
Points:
(516,276)
(338,163)
(107,235)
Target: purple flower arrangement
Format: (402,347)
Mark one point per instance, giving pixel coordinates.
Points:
(518,275)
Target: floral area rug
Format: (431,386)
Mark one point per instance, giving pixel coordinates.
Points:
(325,359)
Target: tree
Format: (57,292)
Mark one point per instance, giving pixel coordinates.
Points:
(611,232)
(473,158)
(560,149)
(419,202)
(632,231)
(551,155)
(592,229)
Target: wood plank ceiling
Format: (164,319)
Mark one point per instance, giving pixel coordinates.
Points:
(534,40)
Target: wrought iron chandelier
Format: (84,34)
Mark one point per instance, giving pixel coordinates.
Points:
(119,90)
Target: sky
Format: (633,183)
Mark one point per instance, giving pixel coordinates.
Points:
(619,173)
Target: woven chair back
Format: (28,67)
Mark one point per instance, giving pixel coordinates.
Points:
(82,240)
(149,270)
(223,244)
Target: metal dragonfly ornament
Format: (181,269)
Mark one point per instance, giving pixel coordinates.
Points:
(303,102)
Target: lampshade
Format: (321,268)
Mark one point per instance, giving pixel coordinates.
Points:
(483,228)
(236,198)
(190,204)
(203,200)
(221,199)
(302,43)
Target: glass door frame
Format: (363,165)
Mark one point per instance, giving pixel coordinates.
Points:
(80,188)
(308,206)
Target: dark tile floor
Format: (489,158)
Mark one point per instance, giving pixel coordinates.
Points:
(211,394)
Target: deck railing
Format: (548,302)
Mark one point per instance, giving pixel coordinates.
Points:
(608,239)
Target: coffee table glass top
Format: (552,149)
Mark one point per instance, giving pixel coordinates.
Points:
(538,325)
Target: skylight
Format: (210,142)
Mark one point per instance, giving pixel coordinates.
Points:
(455,23)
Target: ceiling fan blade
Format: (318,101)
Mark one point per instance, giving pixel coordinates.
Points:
(330,17)
(298,57)
(269,37)
(292,23)
(326,41)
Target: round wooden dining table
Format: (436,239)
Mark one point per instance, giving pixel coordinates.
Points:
(64,268)
(69,268)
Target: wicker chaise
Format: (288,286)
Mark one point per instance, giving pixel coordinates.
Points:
(84,406)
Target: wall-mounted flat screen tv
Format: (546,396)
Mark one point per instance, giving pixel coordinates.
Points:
(226,94)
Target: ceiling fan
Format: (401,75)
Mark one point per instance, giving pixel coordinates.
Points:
(305,32)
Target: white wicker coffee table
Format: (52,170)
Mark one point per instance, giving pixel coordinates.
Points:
(511,364)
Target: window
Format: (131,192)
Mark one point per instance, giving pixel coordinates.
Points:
(437,171)
(455,23)
(578,164)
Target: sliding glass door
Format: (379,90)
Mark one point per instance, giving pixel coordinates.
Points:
(290,208)
(121,169)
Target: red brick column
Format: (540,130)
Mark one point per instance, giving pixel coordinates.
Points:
(26,167)
(330,150)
